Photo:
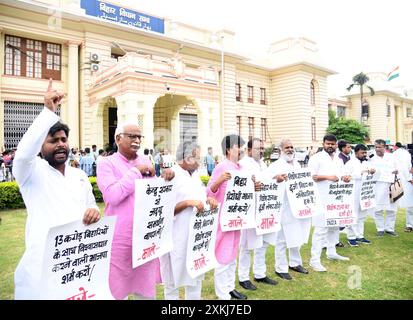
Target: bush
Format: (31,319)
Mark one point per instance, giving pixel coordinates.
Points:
(11,198)
(96,191)
(205,180)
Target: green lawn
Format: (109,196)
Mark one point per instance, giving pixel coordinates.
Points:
(386,267)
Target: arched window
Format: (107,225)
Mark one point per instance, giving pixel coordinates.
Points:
(312,92)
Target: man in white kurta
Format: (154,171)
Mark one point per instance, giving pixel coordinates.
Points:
(254,165)
(190,194)
(355,167)
(294,232)
(54,193)
(325,167)
(403,162)
(386,168)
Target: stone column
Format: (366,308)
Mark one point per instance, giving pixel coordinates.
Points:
(204,133)
(399,123)
(128,108)
(148,125)
(73,93)
(174,139)
(131,107)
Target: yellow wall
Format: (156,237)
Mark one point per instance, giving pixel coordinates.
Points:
(288,110)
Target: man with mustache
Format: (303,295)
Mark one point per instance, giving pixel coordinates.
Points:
(190,195)
(294,232)
(326,167)
(116,175)
(253,164)
(54,192)
(384,161)
(356,167)
(227,243)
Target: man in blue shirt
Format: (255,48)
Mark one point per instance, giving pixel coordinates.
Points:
(210,161)
(86,162)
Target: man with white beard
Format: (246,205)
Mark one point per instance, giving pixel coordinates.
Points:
(325,167)
(253,164)
(403,162)
(356,167)
(294,232)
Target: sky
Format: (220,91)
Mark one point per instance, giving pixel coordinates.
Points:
(352,35)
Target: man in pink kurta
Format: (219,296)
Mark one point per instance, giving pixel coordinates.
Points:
(116,177)
(227,243)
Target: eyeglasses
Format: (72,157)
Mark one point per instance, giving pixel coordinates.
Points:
(132,136)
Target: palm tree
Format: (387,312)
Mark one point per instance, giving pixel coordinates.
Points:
(360,80)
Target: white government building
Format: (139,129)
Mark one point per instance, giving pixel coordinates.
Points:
(176,81)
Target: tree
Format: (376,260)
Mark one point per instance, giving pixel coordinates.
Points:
(360,80)
(331,116)
(347,129)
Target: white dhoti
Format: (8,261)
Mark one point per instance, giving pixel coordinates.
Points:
(281,262)
(224,280)
(321,235)
(383,204)
(407,201)
(251,242)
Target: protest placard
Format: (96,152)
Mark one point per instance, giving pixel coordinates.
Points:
(77,259)
(238,209)
(200,257)
(339,204)
(268,206)
(153,219)
(302,193)
(384,172)
(367,192)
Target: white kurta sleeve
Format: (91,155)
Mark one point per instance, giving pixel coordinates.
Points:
(313,164)
(31,144)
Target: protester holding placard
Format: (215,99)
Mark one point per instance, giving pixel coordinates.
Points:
(325,167)
(54,193)
(386,169)
(116,177)
(254,165)
(357,167)
(403,162)
(294,232)
(226,247)
(190,195)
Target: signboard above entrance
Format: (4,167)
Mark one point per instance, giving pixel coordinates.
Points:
(121,15)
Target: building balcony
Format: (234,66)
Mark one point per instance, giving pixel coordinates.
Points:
(156,66)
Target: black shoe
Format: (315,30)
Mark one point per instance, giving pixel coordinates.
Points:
(247,285)
(284,276)
(340,245)
(266,280)
(238,295)
(299,269)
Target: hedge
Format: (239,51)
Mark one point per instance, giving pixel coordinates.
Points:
(205,179)
(10,197)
